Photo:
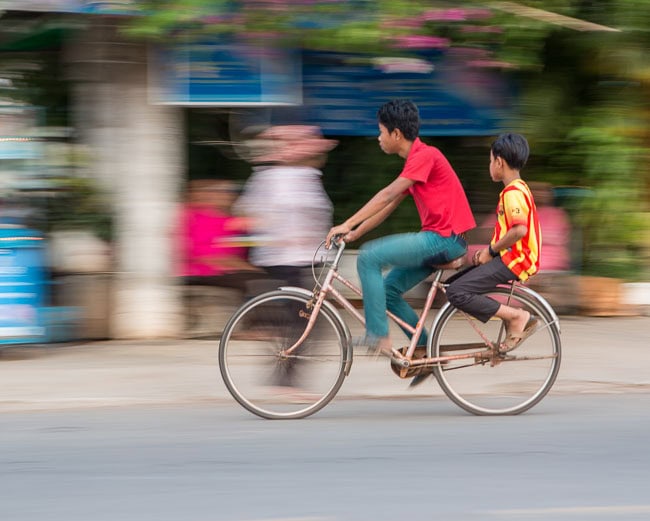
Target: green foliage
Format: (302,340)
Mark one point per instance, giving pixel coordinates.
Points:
(583,101)
(612,216)
(78,204)
(583,96)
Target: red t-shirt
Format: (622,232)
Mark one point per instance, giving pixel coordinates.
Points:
(438,194)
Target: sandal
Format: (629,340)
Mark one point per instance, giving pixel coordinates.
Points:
(512,340)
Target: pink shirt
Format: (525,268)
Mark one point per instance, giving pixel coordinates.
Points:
(203,230)
(556,232)
(438,194)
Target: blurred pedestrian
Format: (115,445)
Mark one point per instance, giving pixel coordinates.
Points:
(555,255)
(289,208)
(290,214)
(209,253)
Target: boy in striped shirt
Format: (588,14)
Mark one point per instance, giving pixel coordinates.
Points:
(513,252)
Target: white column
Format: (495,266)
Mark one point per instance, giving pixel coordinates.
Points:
(137,152)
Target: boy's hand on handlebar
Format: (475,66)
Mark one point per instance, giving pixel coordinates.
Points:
(352,236)
(342,231)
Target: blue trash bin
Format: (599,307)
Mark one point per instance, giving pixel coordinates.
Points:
(22,286)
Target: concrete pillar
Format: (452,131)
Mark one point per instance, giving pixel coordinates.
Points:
(137,152)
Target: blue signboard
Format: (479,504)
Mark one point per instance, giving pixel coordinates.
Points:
(22,294)
(224,74)
(343,92)
(338,92)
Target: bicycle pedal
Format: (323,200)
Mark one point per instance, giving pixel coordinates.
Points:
(401,362)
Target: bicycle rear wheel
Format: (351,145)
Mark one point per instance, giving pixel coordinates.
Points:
(496,384)
(262,377)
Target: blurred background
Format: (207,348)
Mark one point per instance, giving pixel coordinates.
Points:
(110,110)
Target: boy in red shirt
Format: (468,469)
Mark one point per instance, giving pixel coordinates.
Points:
(444,212)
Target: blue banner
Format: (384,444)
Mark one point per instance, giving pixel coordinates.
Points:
(338,92)
(223,74)
(22,283)
(343,92)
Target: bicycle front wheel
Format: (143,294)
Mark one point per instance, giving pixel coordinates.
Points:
(490,383)
(267,380)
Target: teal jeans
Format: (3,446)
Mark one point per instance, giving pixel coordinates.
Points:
(411,256)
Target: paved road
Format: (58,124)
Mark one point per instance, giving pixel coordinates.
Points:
(573,457)
(600,355)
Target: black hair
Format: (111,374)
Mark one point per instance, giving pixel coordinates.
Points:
(512,148)
(400,114)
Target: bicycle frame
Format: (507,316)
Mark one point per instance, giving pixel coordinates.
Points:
(255,358)
(406,360)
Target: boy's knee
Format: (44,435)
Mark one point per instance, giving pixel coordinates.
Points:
(366,258)
(392,293)
(454,296)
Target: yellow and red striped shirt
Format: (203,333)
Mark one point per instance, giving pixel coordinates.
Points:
(516,206)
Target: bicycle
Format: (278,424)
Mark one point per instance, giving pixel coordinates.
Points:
(285,354)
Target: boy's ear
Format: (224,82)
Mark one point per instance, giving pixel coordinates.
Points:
(397,133)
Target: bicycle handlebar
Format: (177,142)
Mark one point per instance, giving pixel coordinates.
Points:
(338,241)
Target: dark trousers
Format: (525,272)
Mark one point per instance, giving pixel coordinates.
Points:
(465,292)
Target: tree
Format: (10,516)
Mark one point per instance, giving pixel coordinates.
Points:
(581,70)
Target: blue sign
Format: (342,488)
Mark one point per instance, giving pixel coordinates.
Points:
(338,92)
(343,92)
(223,74)
(22,295)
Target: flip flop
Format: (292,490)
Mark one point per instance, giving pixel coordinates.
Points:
(514,339)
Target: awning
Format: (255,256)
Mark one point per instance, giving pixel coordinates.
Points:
(113,7)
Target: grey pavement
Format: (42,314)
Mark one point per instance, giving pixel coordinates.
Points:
(600,355)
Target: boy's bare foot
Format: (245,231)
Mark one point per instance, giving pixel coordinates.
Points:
(514,337)
(517,325)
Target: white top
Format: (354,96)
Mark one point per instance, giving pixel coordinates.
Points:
(292,214)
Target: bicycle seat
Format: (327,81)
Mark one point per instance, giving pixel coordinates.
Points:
(454,264)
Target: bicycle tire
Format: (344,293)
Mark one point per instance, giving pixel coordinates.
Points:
(264,381)
(503,384)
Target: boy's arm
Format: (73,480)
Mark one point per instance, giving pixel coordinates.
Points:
(374,221)
(515,209)
(379,207)
(514,234)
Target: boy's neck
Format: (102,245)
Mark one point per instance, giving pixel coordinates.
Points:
(509,175)
(405,148)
